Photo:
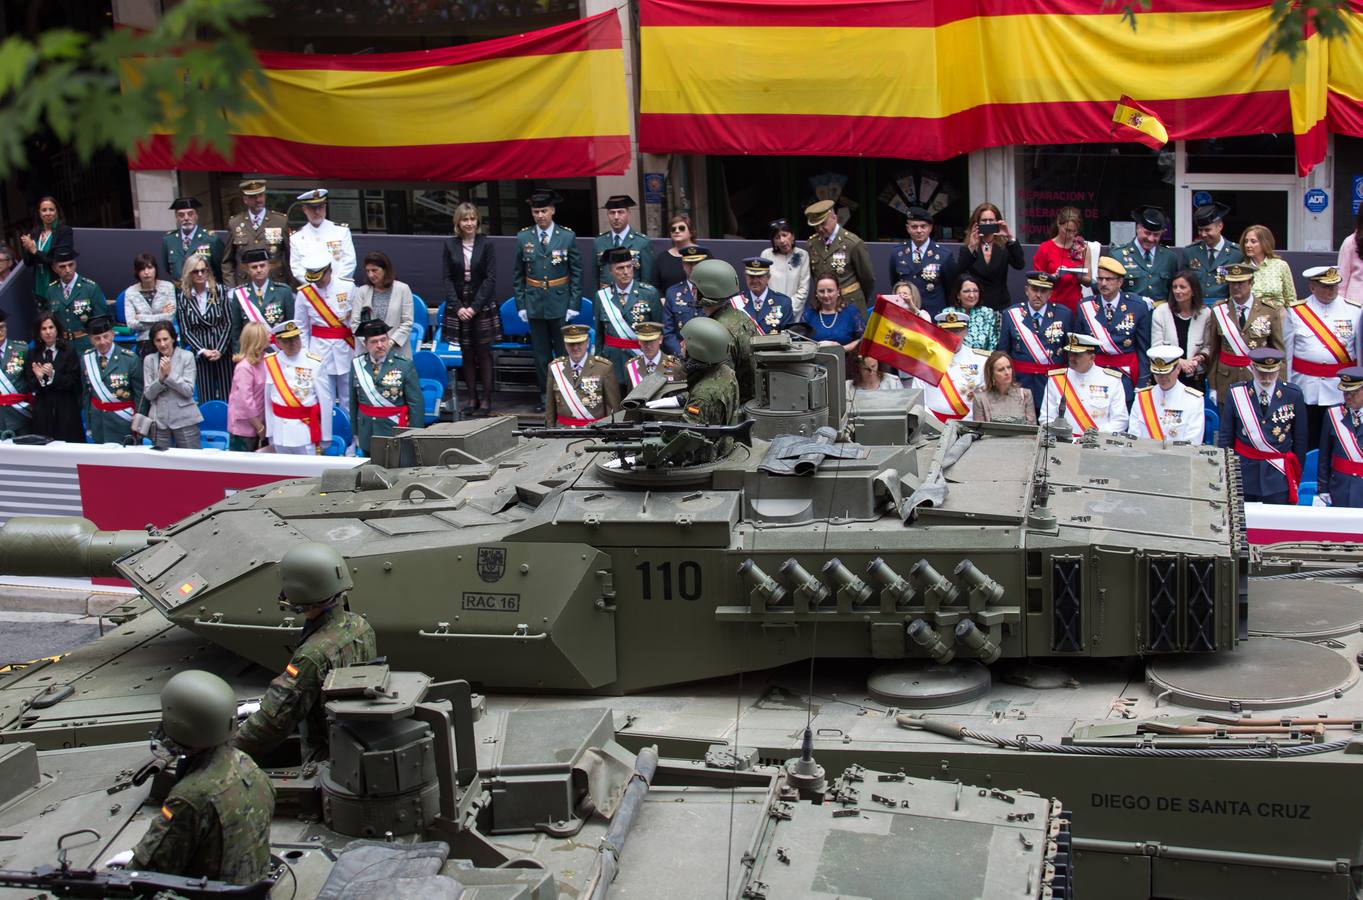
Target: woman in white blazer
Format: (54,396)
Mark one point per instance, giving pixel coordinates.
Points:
(1186,322)
(168,375)
(386,298)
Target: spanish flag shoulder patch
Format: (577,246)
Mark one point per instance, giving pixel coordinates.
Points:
(694,409)
(165,811)
(291,670)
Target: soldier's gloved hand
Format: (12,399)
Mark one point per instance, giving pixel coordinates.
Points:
(244,710)
(571,314)
(525,316)
(119,860)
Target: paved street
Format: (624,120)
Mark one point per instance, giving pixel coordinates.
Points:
(33,635)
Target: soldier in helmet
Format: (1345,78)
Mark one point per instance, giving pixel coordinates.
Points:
(717,293)
(215,823)
(314,579)
(712,397)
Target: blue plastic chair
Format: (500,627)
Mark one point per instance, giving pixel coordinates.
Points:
(429,366)
(421,317)
(1210,426)
(121,317)
(1310,472)
(213,440)
(215,415)
(431,393)
(512,326)
(434,376)
(341,433)
(587,316)
(448,349)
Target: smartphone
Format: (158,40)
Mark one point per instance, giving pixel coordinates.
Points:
(988,229)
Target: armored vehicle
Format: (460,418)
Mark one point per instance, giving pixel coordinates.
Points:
(993,604)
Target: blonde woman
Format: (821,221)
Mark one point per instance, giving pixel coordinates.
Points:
(1272,276)
(207,323)
(1065,250)
(246,404)
(471,305)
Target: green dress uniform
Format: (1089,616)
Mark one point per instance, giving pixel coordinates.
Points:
(1263,328)
(741,332)
(597,390)
(1146,278)
(396,382)
(215,823)
(74,310)
(639,246)
(1210,267)
(846,258)
(335,639)
(713,400)
(175,249)
(121,375)
(274,303)
(637,304)
(547,280)
(272,236)
(16,402)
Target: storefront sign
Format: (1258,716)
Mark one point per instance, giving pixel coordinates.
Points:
(1202,198)
(654,184)
(1316,200)
(1358,192)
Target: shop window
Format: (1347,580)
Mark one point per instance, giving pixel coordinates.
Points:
(1105,181)
(1256,154)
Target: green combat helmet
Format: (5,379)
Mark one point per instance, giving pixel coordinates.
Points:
(707,340)
(310,575)
(715,281)
(198,710)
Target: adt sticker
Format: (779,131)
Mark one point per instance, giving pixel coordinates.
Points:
(1358,192)
(1202,198)
(1316,200)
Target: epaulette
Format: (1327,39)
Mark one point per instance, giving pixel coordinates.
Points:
(1116,373)
(568,230)
(172,231)
(1294,303)
(978,352)
(88,352)
(602,358)
(1060,371)
(312,355)
(345,225)
(1350,302)
(1158,303)
(1143,389)
(1271,304)
(1194,391)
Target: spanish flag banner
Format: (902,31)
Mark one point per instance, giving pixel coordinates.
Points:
(897,337)
(545,104)
(1133,122)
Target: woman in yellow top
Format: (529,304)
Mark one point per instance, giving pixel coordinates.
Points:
(1272,276)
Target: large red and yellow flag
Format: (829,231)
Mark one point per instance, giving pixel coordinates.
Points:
(930,79)
(545,104)
(897,337)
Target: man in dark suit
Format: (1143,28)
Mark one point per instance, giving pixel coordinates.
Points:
(620,234)
(770,310)
(1150,266)
(1033,335)
(1339,470)
(1264,421)
(547,276)
(189,239)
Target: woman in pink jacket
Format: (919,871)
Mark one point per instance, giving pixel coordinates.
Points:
(246,403)
(1351,262)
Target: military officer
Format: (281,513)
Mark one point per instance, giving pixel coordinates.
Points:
(322,309)
(297,395)
(1319,334)
(1264,421)
(833,250)
(215,822)
(679,305)
(582,388)
(320,233)
(769,310)
(1211,254)
(385,389)
(260,298)
(1121,323)
(923,262)
(651,357)
(314,581)
(257,228)
(16,414)
(112,377)
(712,389)
(1239,324)
(547,277)
(717,287)
(1095,398)
(620,234)
(952,396)
(1149,265)
(1033,335)
(621,306)
(187,239)
(74,299)
(1339,473)
(1168,410)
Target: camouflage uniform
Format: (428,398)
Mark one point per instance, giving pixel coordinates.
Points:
(713,400)
(741,330)
(215,823)
(334,639)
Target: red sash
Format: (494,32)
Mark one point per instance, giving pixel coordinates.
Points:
(1026,367)
(621,343)
(335,334)
(1145,399)
(309,414)
(1291,465)
(109,407)
(1320,370)
(570,422)
(334,328)
(1127,362)
(12,399)
(386,412)
(1347,466)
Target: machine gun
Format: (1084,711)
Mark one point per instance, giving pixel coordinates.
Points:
(652,444)
(65,880)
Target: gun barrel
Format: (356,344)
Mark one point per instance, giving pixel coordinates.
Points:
(64,546)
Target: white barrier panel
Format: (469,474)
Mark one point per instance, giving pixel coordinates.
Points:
(1267,523)
(132,487)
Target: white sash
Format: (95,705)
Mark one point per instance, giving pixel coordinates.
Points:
(1345,435)
(248,308)
(1249,418)
(632,371)
(1029,338)
(737,302)
(7,387)
(559,369)
(1098,329)
(1230,329)
(622,329)
(365,382)
(99,388)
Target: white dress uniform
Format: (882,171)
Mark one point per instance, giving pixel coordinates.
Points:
(1340,316)
(305,378)
(1101,392)
(335,353)
(967,376)
(334,239)
(1181,410)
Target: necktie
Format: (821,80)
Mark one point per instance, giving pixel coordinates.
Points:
(1150,257)
(184,239)
(1036,321)
(1358,416)
(619,240)
(1110,307)
(103,362)
(66,289)
(544,239)
(1263,398)
(1243,312)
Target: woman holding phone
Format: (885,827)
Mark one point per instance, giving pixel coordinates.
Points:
(989,251)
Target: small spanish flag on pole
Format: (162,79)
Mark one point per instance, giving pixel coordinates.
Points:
(1133,122)
(897,337)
